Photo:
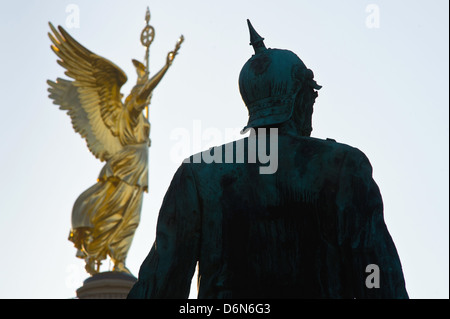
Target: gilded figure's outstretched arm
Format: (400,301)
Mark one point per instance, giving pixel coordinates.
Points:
(142,99)
(154,81)
(150,85)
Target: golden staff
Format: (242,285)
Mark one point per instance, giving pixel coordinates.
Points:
(147,36)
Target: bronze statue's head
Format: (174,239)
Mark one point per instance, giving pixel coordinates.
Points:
(276,86)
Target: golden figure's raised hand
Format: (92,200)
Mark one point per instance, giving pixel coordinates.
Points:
(171,55)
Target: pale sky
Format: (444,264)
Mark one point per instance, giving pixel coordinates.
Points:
(383,66)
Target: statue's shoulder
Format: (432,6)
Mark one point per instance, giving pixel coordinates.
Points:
(327,144)
(339,149)
(354,158)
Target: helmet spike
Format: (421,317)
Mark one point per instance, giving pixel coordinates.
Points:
(255,39)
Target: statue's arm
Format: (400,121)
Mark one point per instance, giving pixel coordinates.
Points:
(367,245)
(152,83)
(143,98)
(169,267)
(145,94)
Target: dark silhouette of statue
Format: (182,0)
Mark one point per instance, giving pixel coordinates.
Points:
(310,228)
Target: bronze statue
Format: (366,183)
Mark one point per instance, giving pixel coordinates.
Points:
(311,229)
(105,216)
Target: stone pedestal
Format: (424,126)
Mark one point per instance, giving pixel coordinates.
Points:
(106,285)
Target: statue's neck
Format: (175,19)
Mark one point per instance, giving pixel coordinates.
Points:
(291,128)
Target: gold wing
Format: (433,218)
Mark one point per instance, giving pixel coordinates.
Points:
(93,99)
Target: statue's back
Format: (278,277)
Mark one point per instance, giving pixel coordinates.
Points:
(308,230)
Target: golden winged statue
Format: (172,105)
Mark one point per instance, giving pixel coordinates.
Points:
(106,215)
